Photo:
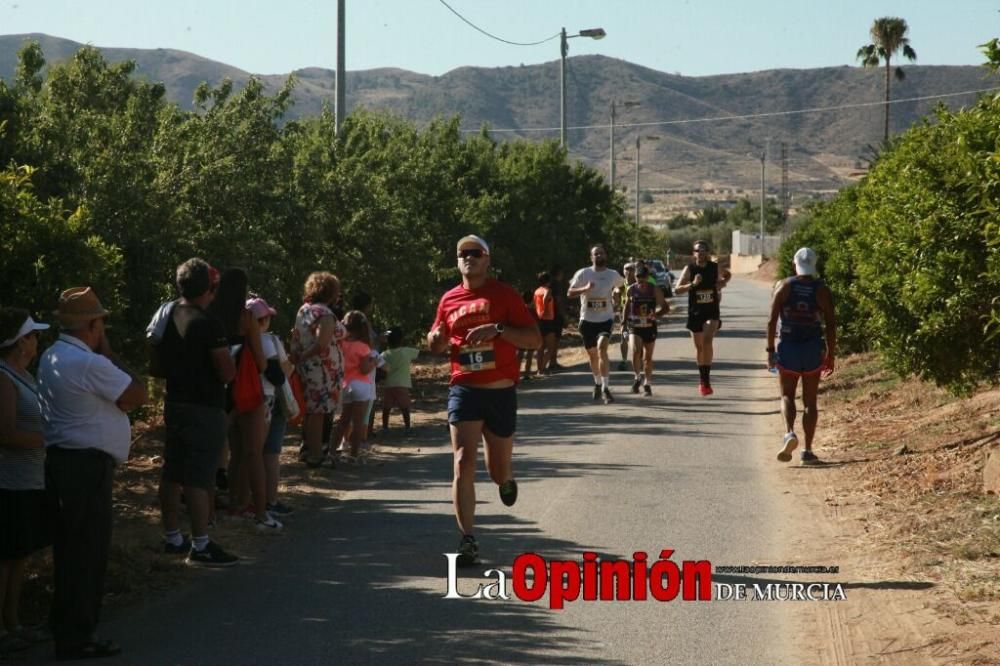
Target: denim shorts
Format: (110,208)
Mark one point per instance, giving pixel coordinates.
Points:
(495,407)
(276,431)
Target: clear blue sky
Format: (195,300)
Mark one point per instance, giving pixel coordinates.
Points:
(690,37)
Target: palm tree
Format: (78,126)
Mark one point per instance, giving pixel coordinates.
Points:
(888,37)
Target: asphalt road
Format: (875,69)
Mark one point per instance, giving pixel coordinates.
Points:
(362,580)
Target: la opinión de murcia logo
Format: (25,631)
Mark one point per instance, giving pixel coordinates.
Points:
(638,579)
(593,579)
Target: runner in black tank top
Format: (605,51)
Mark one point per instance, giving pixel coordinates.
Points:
(703,279)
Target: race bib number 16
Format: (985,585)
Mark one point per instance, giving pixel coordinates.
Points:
(476,359)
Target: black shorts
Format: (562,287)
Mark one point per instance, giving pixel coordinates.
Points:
(194,440)
(25,523)
(495,407)
(645,333)
(696,318)
(592,330)
(548,327)
(560,325)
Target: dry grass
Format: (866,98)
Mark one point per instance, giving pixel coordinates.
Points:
(925,505)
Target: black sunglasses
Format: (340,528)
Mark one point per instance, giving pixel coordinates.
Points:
(472,252)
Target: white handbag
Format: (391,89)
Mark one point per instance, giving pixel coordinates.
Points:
(286,399)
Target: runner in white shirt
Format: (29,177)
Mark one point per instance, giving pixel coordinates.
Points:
(597,287)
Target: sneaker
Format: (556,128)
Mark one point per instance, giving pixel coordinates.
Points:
(807,457)
(622,365)
(597,391)
(211,556)
(705,389)
(468,551)
(270,526)
(788,445)
(635,386)
(647,390)
(608,398)
(181,549)
(278,509)
(508,492)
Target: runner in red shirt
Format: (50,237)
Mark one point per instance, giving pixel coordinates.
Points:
(482,323)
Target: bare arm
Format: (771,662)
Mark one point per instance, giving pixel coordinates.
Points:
(225,367)
(10,436)
(684,282)
(437,340)
(573,292)
(724,277)
(251,332)
(133,396)
(662,307)
(522,337)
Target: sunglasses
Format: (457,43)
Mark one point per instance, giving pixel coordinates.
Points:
(472,252)
(701,249)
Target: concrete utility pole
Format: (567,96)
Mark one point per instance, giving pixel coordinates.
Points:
(763,161)
(563,50)
(611,166)
(340,106)
(638,141)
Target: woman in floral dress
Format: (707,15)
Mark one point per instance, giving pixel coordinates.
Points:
(318,358)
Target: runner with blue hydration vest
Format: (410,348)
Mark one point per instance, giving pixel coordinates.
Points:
(803,305)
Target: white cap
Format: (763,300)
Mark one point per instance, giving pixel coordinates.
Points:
(28,326)
(474,239)
(805,261)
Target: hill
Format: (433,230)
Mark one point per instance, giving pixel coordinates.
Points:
(703,149)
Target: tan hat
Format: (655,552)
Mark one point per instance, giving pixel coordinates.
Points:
(474,239)
(79,306)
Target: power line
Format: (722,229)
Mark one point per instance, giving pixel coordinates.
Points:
(491,36)
(749,116)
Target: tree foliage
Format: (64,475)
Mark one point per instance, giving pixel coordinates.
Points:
(108,184)
(913,251)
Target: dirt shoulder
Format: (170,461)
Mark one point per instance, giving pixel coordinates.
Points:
(899,505)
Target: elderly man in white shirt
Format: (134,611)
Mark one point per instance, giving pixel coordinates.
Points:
(85,392)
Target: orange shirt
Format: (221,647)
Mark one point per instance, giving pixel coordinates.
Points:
(546,311)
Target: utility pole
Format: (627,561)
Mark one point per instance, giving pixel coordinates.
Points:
(563,50)
(786,197)
(340,108)
(638,140)
(611,166)
(763,168)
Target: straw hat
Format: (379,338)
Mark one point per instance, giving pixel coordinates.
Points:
(77,307)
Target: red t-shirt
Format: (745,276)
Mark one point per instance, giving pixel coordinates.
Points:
(462,309)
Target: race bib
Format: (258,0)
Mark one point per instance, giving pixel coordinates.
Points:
(704,296)
(476,359)
(597,303)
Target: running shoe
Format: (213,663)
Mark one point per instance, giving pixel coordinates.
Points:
(270,526)
(635,386)
(597,391)
(647,390)
(705,389)
(468,551)
(807,457)
(608,398)
(180,549)
(787,446)
(278,508)
(622,365)
(508,492)
(211,556)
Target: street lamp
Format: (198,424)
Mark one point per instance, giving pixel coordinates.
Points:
(638,141)
(593,33)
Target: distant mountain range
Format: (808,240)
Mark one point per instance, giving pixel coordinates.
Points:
(692,152)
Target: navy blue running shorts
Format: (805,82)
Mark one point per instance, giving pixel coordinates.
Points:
(801,358)
(495,407)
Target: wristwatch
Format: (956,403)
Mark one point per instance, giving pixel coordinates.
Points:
(499,328)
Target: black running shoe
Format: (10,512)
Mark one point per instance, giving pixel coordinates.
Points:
(635,386)
(211,556)
(597,391)
(608,398)
(468,551)
(181,549)
(647,389)
(508,492)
